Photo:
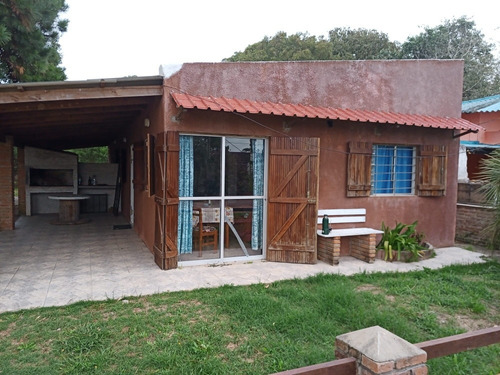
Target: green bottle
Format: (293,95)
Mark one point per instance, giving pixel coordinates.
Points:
(326,225)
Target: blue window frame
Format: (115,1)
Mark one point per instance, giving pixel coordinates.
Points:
(393,170)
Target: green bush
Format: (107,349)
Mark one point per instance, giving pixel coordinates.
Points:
(403,237)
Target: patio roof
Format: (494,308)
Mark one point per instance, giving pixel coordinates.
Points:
(74,114)
(246,106)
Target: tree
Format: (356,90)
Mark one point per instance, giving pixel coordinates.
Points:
(342,44)
(281,47)
(29,40)
(459,39)
(92,154)
(361,44)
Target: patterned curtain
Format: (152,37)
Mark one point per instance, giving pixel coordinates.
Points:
(186,181)
(257,146)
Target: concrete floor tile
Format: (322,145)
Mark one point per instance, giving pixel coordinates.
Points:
(48,265)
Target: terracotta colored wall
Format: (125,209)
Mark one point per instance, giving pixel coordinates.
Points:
(490,121)
(425,86)
(436,215)
(406,86)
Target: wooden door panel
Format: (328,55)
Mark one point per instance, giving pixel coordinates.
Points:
(292,206)
(166,199)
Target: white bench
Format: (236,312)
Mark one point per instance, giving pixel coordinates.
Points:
(361,240)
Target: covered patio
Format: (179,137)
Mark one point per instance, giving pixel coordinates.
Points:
(51,265)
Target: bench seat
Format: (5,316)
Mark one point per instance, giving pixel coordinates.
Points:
(346,232)
(362,241)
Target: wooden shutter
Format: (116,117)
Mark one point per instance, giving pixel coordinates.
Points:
(432,171)
(292,206)
(138,180)
(166,199)
(359,163)
(150,158)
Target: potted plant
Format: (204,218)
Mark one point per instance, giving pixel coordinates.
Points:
(405,241)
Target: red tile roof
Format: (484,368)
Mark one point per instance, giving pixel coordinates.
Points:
(245,106)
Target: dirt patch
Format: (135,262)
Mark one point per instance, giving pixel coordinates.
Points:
(464,321)
(8,331)
(374,290)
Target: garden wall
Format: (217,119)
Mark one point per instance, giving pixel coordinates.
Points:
(472,223)
(473,215)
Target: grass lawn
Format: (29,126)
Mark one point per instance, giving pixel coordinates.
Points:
(256,329)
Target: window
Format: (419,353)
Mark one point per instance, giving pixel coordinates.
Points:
(393,169)
(221,197)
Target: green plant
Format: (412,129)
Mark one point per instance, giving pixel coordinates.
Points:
(403,237)
(490,174)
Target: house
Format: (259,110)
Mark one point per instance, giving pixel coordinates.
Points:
(473,213)
(475,146)
(231,161)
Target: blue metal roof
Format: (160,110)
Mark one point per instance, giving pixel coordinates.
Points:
(476,144)
(487,104)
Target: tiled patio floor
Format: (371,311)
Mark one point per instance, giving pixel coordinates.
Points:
(52,265)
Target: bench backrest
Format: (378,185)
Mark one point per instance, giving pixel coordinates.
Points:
(343,215)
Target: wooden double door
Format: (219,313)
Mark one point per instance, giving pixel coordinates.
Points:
(292,194)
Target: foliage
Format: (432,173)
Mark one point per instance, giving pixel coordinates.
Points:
(255,329)
(29,40)
(459,39)
(403,237)
(91,154)
(361,44)
(490,174)
(342,44)
(454,39)
(283,47)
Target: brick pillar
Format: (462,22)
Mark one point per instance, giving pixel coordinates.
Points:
(21,181)
(378,351)
(363,247)
(7,185)
(329,249)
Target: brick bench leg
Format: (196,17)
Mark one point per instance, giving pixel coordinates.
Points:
(363,247)
(329,250)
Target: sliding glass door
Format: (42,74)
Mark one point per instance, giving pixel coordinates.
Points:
(221,190)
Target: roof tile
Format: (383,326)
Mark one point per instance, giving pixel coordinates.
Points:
(224,104)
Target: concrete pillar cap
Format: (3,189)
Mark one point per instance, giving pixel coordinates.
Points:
(380,345)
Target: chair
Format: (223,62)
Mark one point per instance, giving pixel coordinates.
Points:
(204,235)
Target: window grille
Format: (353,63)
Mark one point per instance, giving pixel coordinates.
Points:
(393,170)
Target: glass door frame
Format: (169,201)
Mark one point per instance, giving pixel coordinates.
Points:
(222,199)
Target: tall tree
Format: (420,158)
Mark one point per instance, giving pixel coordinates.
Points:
(459,39)
(283,47)
(342,44)
(361,44)
(29,40)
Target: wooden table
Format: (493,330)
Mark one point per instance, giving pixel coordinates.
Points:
(69,209)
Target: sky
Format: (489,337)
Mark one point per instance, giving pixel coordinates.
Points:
(119,38)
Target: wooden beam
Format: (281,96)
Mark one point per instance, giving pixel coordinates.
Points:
(346,366)
(50,119)
(459,343)
(74,104)
(77,94)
